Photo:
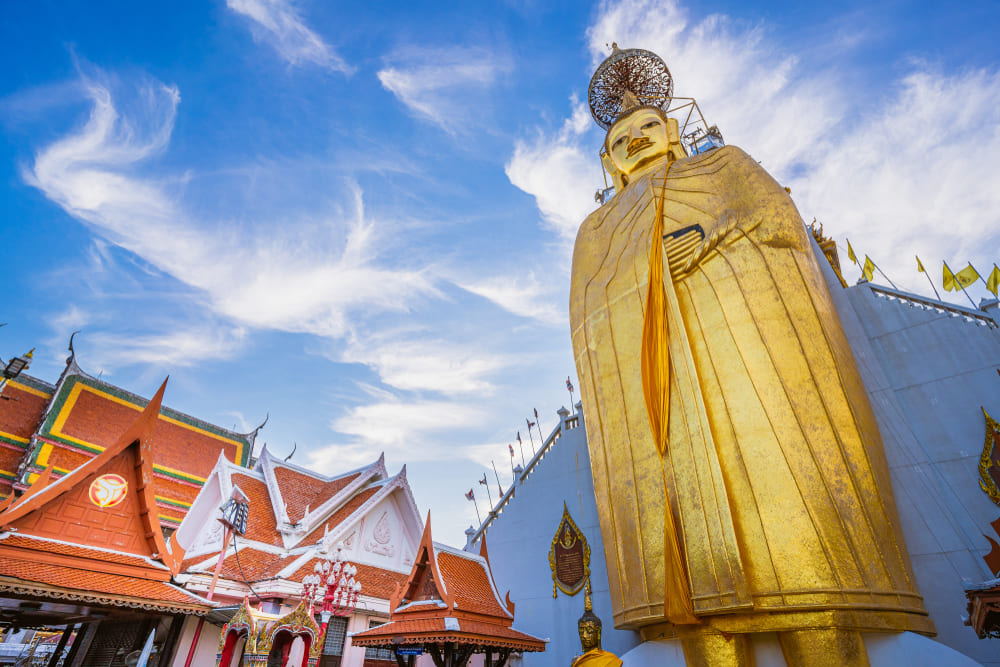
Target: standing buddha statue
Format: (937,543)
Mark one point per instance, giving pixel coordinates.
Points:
(739,473)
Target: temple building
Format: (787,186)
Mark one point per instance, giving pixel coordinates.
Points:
(296,519)
(63,425)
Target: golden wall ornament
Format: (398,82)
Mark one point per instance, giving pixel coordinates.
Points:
(569,557)
(989,462)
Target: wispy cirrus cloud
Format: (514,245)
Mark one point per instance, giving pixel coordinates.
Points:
(422,362)
(440,84)
(523,295)
(278,23)
(303,276)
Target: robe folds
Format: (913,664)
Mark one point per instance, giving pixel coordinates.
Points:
(773,467)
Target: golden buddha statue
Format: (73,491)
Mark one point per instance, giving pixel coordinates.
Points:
(589,627)
(738,469)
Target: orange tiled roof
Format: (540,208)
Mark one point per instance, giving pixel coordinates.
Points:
(75,550)
(118,588)
(419,630)
(20,414)
(10,458)
(338,517)
(261,525)
(98,420)
(300,490)
(466,580)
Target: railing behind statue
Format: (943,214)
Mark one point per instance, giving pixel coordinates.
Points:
(567,421)
(971,315)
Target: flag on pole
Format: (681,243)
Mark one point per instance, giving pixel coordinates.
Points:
(569,385)
(483,481)
(920,266)
(470,496)
(511,448)
(850,253)
(994,280)
(956,281)
(530,424)
(869,269)
(967,276)
(536,409)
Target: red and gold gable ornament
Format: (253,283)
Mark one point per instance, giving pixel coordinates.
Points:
(108,490)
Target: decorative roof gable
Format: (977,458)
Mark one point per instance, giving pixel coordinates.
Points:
(82,506)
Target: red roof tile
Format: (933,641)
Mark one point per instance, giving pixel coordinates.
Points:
(22,411)
(261,525)
(98,420)
(467,581)
(78,551)
(338,517)
(119,586)
(300,490)
(10,458)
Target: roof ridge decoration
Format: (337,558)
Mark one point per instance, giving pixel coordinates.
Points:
(266,464)
(312,520)
(425,571)
(140,434)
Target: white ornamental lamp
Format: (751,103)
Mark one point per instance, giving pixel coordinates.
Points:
(333,584)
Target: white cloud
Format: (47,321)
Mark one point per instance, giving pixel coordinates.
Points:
(411,363)
(562,172)
(438,84)
(524,295)
(414,431)
(295,276)
(278,23)
(185,347)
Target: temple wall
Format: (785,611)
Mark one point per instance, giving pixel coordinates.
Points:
(519,540)
(927,373)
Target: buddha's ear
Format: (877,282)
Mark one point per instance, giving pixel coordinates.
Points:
(619,179)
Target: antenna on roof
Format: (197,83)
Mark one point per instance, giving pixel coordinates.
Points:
(295,446)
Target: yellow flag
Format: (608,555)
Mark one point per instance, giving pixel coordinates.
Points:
(967,276)
(850,253)
(948,279)
(920,267)
(994,280)
(869,269)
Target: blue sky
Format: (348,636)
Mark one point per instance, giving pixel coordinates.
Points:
(359,217)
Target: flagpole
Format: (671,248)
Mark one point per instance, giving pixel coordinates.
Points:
(476,503)
(923,271)
(538,423)
(520,446)
(883,275)
(513,476)
(531,436)
(499,485)
(486,484)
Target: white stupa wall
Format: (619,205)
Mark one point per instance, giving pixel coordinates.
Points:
(927,372)
(519,539)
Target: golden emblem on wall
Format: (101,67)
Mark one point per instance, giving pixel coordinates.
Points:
(989,462)
(569,557)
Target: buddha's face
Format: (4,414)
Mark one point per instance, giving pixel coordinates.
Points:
(637,139)
(590,636)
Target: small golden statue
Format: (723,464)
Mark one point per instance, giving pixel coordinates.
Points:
(589,626)
(739,473)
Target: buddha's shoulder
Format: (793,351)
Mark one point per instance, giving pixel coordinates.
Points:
(713,161)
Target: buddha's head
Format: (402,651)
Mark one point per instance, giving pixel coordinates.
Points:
(589,625)
(638,138)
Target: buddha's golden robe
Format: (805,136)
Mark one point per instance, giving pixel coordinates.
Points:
(774,468)
(597,658)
